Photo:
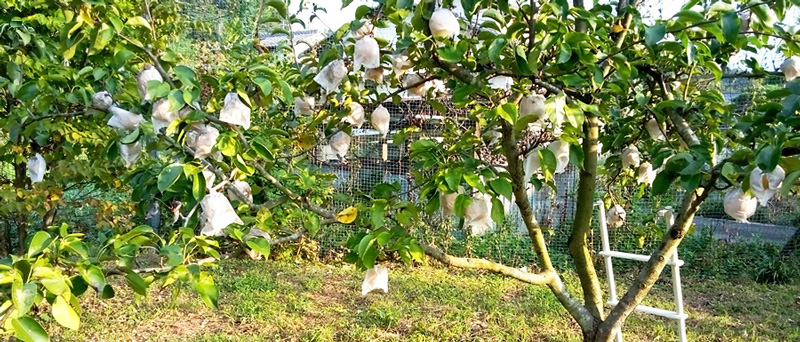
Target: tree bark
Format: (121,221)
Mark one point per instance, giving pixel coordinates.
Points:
(50,216)
(582,225)
(5,239)
(20,182)
(511,151)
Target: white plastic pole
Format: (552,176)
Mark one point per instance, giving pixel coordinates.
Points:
(612,286)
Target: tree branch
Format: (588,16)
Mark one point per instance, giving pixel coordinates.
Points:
(543,278)
(582,224)
(681,126)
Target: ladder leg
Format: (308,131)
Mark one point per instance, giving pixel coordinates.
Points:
(678,293)
(612,285)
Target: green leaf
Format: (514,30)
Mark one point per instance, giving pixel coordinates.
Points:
(106,293)
(95,277)
(462,202)
(204,285)
(130,137)
(469,7)
(157,89)
(378,213)
(762,12)
(654,34)
(279,6)
(548,161)
(198,186)
(56,285)
(564,54)
(508,112)
(691,51)
(498,210)
(259,244)
(496,48)
(730,26)
(383,238)
(169,175)
(312,224)
(79,285)
(27,91)
(175,99)
(28,330)
(574,115)
(226,144)
(502,187)
(767,158)
(40,241)
(789,182)
(287,98)
(576,156)
(65,314)
(185,74)
(137,283)
(264,84)
(22,296)
(662,183)
(139,21)
(450,54)
(474,181)
(453,178)
(14,71)
(104,36)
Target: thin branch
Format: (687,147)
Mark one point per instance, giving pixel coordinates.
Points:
(57,115)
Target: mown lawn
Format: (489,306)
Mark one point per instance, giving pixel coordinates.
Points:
(277,301)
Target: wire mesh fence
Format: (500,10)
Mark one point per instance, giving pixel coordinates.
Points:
(374,160)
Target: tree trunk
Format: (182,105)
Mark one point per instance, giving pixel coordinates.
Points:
(20,182)
(50,216)
(582,225)
(5,239)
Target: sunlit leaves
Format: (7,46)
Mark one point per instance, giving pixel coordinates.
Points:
(204,284)
(22,295)
(140,22)
(65,315)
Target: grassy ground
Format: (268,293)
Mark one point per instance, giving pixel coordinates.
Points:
(274,301)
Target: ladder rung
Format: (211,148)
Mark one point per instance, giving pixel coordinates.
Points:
(637,257)
(655,311)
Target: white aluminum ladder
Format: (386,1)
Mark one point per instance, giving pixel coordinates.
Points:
(678,315)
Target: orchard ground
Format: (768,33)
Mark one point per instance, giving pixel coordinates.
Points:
(284,301)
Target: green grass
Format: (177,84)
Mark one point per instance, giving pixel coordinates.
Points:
(275,301)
